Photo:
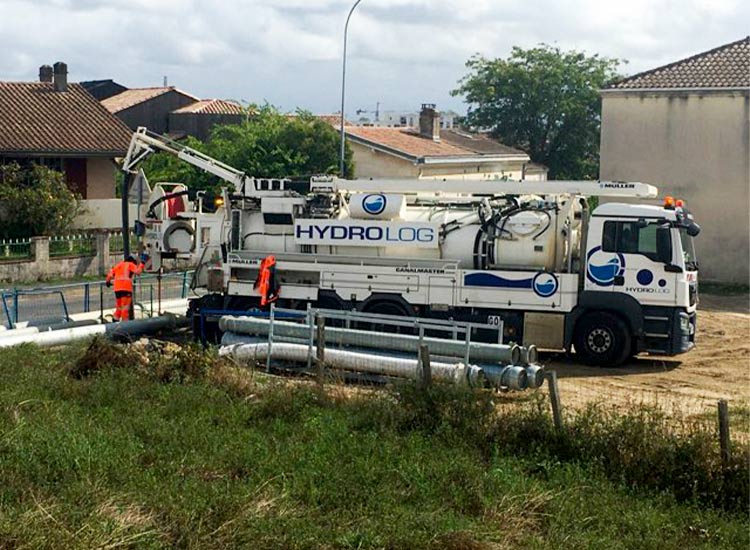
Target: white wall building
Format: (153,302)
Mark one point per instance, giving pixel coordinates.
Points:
(685,127)
(406,119)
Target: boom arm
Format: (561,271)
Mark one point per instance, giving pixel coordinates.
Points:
(143,143)
(492,187)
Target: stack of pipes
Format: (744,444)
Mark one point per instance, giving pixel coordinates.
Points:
(497,365)
(64,333)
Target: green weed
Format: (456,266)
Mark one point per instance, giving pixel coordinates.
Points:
(129,457)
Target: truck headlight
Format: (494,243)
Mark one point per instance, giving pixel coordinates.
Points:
(684,323)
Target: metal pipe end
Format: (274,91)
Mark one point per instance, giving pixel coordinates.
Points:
(475,376)
(516,354)
(535,376)
(515,378)
(532,354)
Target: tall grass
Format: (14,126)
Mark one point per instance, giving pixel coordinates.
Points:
(183,451)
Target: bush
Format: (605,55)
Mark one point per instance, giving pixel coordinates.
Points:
(161,361)
(34,201)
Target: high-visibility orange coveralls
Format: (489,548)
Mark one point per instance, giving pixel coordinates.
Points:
(122,274)
(266,283)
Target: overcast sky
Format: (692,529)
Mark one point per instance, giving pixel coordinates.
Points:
(288,52)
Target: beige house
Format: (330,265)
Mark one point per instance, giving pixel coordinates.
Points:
(685,127)
(432,152)
(60,125)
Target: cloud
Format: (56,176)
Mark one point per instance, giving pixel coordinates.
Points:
(401,52)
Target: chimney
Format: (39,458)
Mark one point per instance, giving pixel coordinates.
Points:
(45,73)
(429,122)
(61,77)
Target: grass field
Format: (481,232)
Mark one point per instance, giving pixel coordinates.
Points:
(168,456)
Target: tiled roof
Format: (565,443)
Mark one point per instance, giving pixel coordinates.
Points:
(409,142)
(134,96)
(102,89)
(727,66)
(212,107)
(35,119)
(477,143)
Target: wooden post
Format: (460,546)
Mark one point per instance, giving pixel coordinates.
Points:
(321,348)
(724,432)
(554,397)
(424,370)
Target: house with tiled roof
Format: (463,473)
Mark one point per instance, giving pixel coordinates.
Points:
(685,127)
(60,125)
(149,107)
(432,152)
(102,89)
(197,118)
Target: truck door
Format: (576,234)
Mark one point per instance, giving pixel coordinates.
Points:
(645,250)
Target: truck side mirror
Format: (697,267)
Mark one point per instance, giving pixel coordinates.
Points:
(664,245)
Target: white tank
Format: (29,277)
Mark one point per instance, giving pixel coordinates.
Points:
(537,237)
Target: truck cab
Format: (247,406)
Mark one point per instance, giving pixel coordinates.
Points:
(639,283)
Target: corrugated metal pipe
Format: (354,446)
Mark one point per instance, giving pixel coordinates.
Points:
(478,351)
(515,377)
(128,330)
(386,365)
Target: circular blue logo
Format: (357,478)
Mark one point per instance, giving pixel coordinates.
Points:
(374,204)
(602,267)
(544,284)
(645,277)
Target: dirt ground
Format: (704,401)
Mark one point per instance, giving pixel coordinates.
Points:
(690,384)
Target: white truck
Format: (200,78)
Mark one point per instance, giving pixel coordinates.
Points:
(610,283)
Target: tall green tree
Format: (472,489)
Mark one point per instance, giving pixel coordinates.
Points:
(34,200)
(267,144)
(544,101)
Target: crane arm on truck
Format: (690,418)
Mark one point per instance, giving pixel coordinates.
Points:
(490,187)
(143,143)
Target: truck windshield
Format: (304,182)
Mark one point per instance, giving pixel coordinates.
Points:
(688,250)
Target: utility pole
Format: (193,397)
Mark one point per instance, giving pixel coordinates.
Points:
(343,91)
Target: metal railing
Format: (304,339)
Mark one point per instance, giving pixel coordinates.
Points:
(59,302)
(82,244)
(449,329)
(14,250)
(117,242)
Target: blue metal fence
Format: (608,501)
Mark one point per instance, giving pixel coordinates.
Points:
(59,302)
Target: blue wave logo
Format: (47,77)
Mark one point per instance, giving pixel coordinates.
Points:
(374,204)
(544,284)
(489,279)
(603,267)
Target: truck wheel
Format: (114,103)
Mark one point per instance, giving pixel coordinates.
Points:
(602,339)
(386,307)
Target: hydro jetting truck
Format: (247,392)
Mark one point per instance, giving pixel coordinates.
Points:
(610,283)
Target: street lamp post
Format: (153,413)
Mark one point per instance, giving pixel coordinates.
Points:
(343,92)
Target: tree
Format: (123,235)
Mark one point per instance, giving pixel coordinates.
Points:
(544,101)
(268,145)
(34,201)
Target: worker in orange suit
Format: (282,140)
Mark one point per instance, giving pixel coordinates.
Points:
(267,283)
(122,274)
